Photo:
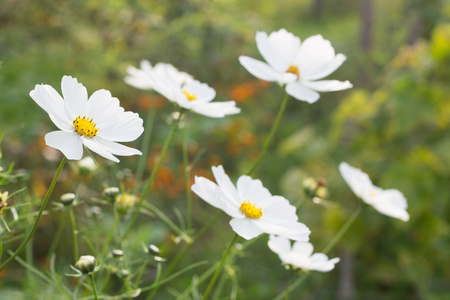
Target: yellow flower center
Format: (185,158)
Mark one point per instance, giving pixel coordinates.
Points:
(190,96)
(294,70)
(85,126)
(250,210)
(373,194)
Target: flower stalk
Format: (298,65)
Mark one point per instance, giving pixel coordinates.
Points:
(33,228)
(150,180)
(219,268)
(271,134)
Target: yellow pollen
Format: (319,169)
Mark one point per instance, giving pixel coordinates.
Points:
(250,210)
(373,194)
(190,96)
(85,126)
(294,70)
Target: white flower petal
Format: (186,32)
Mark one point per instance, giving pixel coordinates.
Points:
(206,189)
(127,128)
(303,248)
(101,106)
(279,245)
(279,49)
(138,78)
(246,228)
(358,181)
(264,71)
(327,85)
(49,100)
(97,148)
(319,71)
(291,230)
(75,96)
(300,92)
(69,143)
(226,185)
(202,91)
(252,190)
(216,109)
(116,148)
(300,255)
(390,202)
(314,51)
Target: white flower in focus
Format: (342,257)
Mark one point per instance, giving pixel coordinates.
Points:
(298,65)
(252,208)
(300,255)
(97,123)
(388,202)
(181,88)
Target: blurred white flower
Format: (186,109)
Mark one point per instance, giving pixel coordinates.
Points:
(298,65)
(181,88)
(142,78)
(388,202)
(97,123)
(300,255)
(252,208)
(87,165)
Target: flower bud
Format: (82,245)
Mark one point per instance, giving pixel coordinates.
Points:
(67,199)
(86,264)
(124,202)
(153,250)
(111,193)
(310,186)
(3,198)
(86,166)
(117,253)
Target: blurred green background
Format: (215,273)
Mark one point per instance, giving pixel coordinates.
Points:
(394,124)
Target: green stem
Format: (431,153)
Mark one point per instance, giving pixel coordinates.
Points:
(271,134)
(150,180)
(288,284)
(219,268)
(183,251)
(145,147)
(75,234)
(57,236)
(33,228)
(343,230)
(94,289)
(110,234)
(186,178)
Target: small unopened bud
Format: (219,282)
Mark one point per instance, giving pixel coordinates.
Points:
(86,264)
(153,250)
(322,192)
(111,193)
(87,166)
(67,199)
(124,202)
(117,253)
(160,259)
(310,186)
(3,198)
(124,273)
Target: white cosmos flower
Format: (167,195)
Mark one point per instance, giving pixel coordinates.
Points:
(97,123)
(298,65)
(181,88)
(388,202)
(300,255)
(252,208)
